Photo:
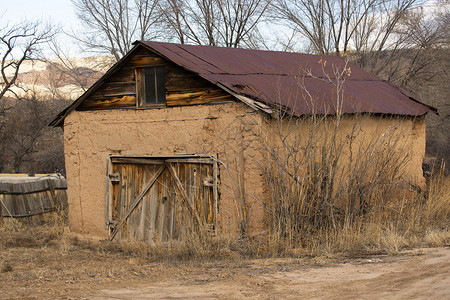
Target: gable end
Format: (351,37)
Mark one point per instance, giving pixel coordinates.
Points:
(117,88)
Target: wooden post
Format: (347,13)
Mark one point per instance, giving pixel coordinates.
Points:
(107,200)
(215,192)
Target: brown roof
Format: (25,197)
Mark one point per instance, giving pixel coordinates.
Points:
(300,83)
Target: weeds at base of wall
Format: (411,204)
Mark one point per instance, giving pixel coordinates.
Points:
(15,232)
(388,230)
(425,224)
(333,188)
(422,219)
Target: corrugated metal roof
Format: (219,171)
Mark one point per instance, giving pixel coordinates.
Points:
(300,82)
(294,81)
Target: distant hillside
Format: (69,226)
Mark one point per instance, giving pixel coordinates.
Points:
(54,79)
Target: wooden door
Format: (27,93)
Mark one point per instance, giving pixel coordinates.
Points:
(157,199)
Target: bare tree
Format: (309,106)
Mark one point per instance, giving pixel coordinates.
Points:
(422,67)
(416,59)
(113,25)
(191,21)
(18,43)
(28,144)
(230,23)
(335,26)
(80,73)
(239,19)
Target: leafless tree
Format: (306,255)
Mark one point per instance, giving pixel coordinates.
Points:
(19,42)
(230,23)
(65,69)
(336,26)
(422,67)
(416,59)
(190,21)
(28,144)
(113,25)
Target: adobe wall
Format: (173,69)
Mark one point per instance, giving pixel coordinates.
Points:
(90,137)
(402,136)
(233,131)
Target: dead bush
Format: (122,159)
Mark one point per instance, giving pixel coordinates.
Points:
(334,188)
(17,232)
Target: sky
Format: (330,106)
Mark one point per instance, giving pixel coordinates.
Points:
(58,11)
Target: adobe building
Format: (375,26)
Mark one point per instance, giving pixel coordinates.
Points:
(171,134)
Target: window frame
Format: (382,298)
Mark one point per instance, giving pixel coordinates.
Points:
(141,95)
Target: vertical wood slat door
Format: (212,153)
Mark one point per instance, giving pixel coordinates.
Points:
(162,213)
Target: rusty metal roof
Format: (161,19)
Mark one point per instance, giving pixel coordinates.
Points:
(301,83)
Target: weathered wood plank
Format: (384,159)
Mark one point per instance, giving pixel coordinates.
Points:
(215,191)
(108,102)
(144,60)
(132,160)
(194,98)
(136,201)
(182,87)
(118,89)
(108,195)
(161,209)
(154,203)
(184,197)
(200,160)
(140,226)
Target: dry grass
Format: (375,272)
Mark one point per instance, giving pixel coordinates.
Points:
(321,205)
(426,223)
(18,233)
(414,219)
(417,219)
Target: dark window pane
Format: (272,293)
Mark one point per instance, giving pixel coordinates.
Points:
(160,85)
(153,85)
(149,85)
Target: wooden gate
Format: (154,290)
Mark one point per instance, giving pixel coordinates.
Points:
(151,199)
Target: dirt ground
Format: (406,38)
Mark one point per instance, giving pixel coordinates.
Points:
(63,271)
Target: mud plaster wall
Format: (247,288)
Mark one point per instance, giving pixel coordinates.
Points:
(406,135)
(92,136)
(232,131)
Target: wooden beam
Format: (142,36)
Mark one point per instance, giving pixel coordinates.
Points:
(136,160)
(136,202)
(51,189)
(202,160)
(215,192)
(256,105)
(107,200)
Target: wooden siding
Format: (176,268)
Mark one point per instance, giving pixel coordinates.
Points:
(182,87)
(182,194)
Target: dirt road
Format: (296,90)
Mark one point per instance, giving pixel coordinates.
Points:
(417,275)
(63,271)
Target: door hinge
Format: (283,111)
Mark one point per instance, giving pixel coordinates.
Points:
(114,177)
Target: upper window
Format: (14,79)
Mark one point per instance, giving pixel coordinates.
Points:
(150,86)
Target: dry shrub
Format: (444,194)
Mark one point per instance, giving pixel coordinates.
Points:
(193,247)
(335,188)
(17,232)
